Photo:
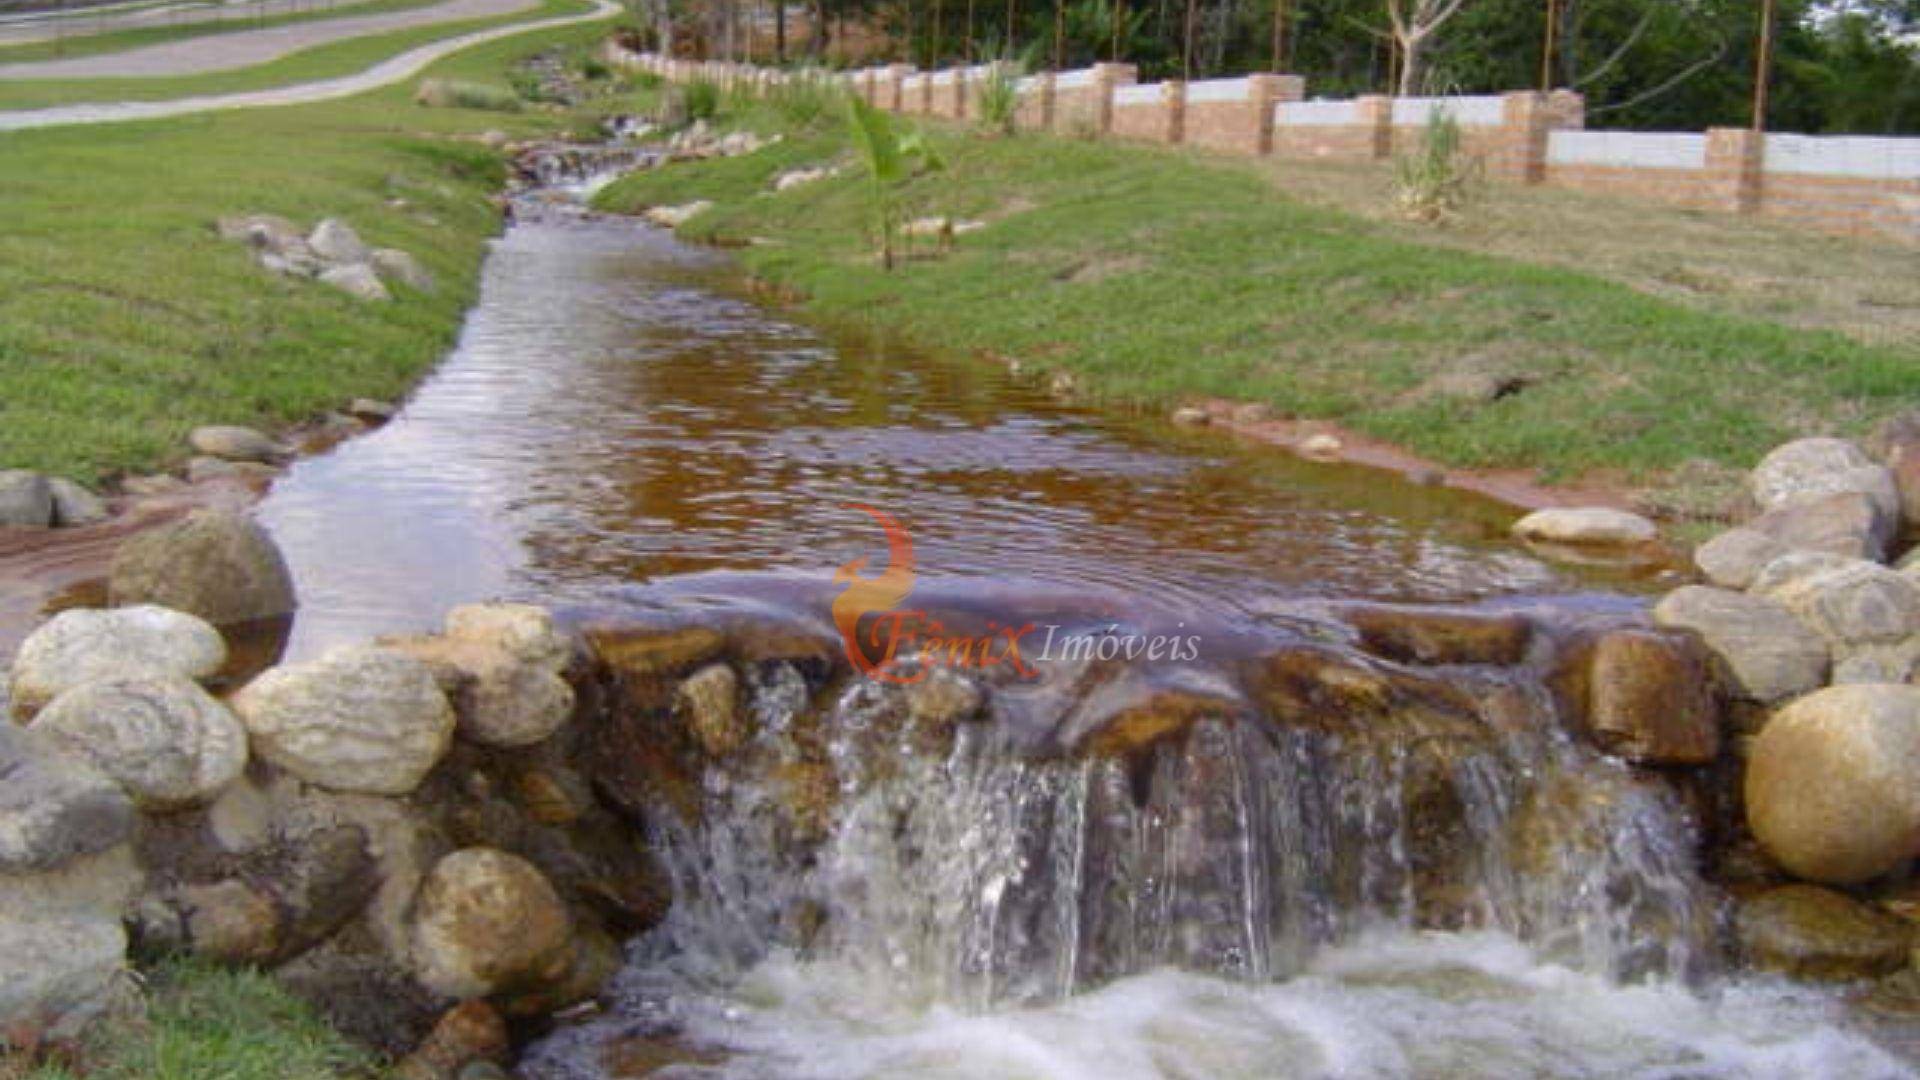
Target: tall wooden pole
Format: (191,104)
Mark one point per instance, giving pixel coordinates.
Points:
(1546,49)
(1279,36)
(1763,66)
(1119,19)
(933,47)
(1013,17)
(1186,51)
(1059,35)
(967,52)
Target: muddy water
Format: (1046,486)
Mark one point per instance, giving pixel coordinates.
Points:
(616,413)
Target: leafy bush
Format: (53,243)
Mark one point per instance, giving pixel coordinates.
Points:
(593,69)
(454,94)
(1434,182)
(892,157)
(1000,98)
(806,99)
(700,100)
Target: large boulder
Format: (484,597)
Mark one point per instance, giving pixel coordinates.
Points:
(1833,783)
(358,719)
(1808,468)
(1734,558)
(335,241)
(1813,933)
(1850,603)
(1586,526)
(1441,635)
(233,443)
(396,265)
(501,700)
(53,807)
(86,645)
(1766,652)
(73,504)
(63,947)
(524,631)
(216,564)
(357,280)
(163,739)
(26,499)
(1844,523)
(487,922)
(1643,695)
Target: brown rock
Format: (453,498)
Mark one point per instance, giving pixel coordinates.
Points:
(708,702)
(487,922)
(470,1031)
(216,564)
(1813,933)
(1845,523)
(1441,636)
(646,652)
(231,922)
(1644,695)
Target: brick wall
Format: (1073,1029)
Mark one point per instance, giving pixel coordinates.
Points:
(1859,186)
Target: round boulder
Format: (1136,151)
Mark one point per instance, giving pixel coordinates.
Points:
(53,806)
(26,499)
(1808,468)
(1833,783)
(233,443)
(485,922)
(358,719)
(87,645)
(1853,603)
(216,564)
(1765,650)
(524,631)
(1586,525)
(165,740)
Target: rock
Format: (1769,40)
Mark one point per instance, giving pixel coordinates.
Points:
(202,469)
(357,280)
(1320,446)
(1813,933)
(672,217)
(62,946)
(335,241)
(708,701)
(1582,525)
(1441,635)
(1472,380)
(1901,439)
(268,232)
(233,443)
(494,140)
(163,739)
(487,922)
(636,652)
(943,698)
(371,411)
(1833,783)
(396,265)
(216,564)
(524,631)
(1190,416)
(794,178)
(1807,468)
(1845,523)
(1849,604)
(1643,695)
(26,499)
(470,1032)
(1768,653)
(1879,663)
(75,505)
(230,922)
(1734,558)
(157,484)
(54,808)
(84,645)
(500,699)
(358,719)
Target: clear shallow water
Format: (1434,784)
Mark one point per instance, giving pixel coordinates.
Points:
(612,417)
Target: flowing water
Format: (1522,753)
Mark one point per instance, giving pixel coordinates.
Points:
(1337,867)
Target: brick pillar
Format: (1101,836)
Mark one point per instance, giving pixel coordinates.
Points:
(960,93)
(1376,115)
(1173,98)
(1046,101)
(1736,160)
(1524,122)
(895,92)
(1105,78)
(1567,111)
(1265,92)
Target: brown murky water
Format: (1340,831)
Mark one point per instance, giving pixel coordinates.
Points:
(616,413)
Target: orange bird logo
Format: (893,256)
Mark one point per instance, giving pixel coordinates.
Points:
(862,596)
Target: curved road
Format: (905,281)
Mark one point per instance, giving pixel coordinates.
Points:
(386,72)
(246,48)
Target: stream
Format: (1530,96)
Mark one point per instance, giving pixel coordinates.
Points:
(623,430)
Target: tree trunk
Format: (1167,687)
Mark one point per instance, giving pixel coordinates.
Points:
(1413,67)
(779,32)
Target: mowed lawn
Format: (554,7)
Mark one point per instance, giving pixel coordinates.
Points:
(125,320)
(1157,275)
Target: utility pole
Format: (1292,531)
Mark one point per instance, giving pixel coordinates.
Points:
(1059,35)
(1186,50)
(1546,49)
(1119,19)
(966,53)
(1013,13)
(1280,35)
(1763,66)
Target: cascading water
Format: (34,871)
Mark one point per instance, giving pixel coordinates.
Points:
(1329,866)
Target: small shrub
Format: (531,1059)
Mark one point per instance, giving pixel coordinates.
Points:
(1434,182)
(999,99)
(593,69)
(648,80)
(700,100)
(807,100)
(454,94)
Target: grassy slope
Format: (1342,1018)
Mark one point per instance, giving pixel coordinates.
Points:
(1162,275)
(84,44)
(320,62)
(125,321)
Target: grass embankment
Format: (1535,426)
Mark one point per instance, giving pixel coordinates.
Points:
(1159,275)
(82,43)
(308,65)
(207,1024)
(125,321)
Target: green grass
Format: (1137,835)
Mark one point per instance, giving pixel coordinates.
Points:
(209,1024)
(125,321)
(320,62)
(1159,275)
(139,37)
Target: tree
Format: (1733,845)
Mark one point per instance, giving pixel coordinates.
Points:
(1413,23)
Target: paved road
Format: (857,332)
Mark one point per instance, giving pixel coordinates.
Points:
(20,28)
(393,70)
(247,48)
